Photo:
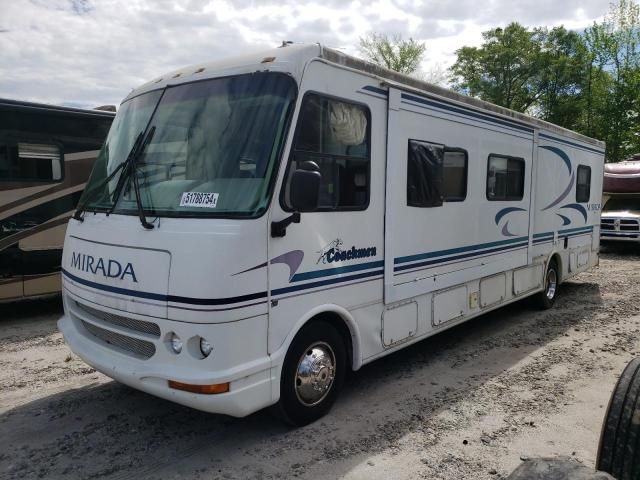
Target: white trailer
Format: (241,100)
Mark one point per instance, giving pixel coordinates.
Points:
(256,227)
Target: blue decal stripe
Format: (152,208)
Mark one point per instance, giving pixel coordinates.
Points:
(439,253)
(379,91)
(322,283)
(462,256)
(327,272)
(579,229)
(567,142)
(468,113)
(506,211)
(161,297)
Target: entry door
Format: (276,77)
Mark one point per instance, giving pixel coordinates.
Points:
(444,223)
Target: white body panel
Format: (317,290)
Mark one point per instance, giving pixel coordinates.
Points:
(427,269)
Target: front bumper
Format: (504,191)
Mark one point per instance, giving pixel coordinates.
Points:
(239,357)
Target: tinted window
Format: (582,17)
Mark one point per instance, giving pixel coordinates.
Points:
(30,161)
(505,178)
(334,135)
(424,174)
(454,175)
(435,174)
(583,186)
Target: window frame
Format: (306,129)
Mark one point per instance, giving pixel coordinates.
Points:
(292,151)
(588,168)
(13,141)
(524,177)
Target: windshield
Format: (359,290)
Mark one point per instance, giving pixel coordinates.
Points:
(622,204)
(213,151)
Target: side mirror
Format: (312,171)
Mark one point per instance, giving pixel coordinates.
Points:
(305,187)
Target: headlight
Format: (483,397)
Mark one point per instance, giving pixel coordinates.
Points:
(176,343)
(205,347)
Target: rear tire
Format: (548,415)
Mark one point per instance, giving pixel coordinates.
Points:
(546,298)
(619,449)
(312,374)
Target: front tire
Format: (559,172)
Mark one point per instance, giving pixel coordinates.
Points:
(312,374)
(546,298)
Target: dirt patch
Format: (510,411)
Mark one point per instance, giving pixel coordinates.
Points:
(469,403)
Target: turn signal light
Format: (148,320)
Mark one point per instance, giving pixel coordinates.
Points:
(203,389)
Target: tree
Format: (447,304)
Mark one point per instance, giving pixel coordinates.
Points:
(403,56)
(614,47)
(559,82)
(502,69)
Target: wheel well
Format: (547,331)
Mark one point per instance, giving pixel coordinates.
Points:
(556,258)
(336,321)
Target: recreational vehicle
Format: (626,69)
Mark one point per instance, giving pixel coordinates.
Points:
(620,220)
(46,155)
(254,228)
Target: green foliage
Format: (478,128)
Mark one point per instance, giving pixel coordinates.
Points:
(587,82)
(394,53)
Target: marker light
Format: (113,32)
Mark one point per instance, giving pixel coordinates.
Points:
(202,389)
(205,347)
(176,343)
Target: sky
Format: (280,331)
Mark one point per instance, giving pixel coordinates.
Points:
(94,52)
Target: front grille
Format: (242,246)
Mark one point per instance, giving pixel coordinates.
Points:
(120,321)
(623,225)
(139,348)
(629,225)
(607,224)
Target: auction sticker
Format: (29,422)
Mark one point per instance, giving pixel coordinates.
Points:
(199,199)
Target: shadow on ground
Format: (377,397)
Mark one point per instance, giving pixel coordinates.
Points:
(111,431)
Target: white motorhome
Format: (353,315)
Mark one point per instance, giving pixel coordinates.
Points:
(256,227)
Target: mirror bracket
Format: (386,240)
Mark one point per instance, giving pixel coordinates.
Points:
(279,229)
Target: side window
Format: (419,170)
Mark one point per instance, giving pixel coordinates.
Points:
(424,174)
(583,186)
(334,134)
(30,161)
(505,178)
(454,175)
(435,174)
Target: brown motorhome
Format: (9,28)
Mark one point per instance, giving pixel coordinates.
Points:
(46,155)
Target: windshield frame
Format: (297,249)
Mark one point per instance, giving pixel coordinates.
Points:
(271,182)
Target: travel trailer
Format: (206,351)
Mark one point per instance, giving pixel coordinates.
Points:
(46,155)
(256,227)
(620,220)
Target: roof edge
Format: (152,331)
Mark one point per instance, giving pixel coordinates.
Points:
(45,107)
(405,81)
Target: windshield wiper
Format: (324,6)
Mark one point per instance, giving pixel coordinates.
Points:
(90,193)
(130,172)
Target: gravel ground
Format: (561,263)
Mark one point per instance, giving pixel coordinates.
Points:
(470,403)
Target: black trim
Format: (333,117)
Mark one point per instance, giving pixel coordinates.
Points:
(292,152)
(162,297)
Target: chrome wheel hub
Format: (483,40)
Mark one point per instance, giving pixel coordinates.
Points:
(552,283)
(315,373)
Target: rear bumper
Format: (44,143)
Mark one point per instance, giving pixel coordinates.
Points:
(252,382)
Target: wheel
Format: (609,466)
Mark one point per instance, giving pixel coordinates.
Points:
(619,450)
(312,374)
(546,298)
